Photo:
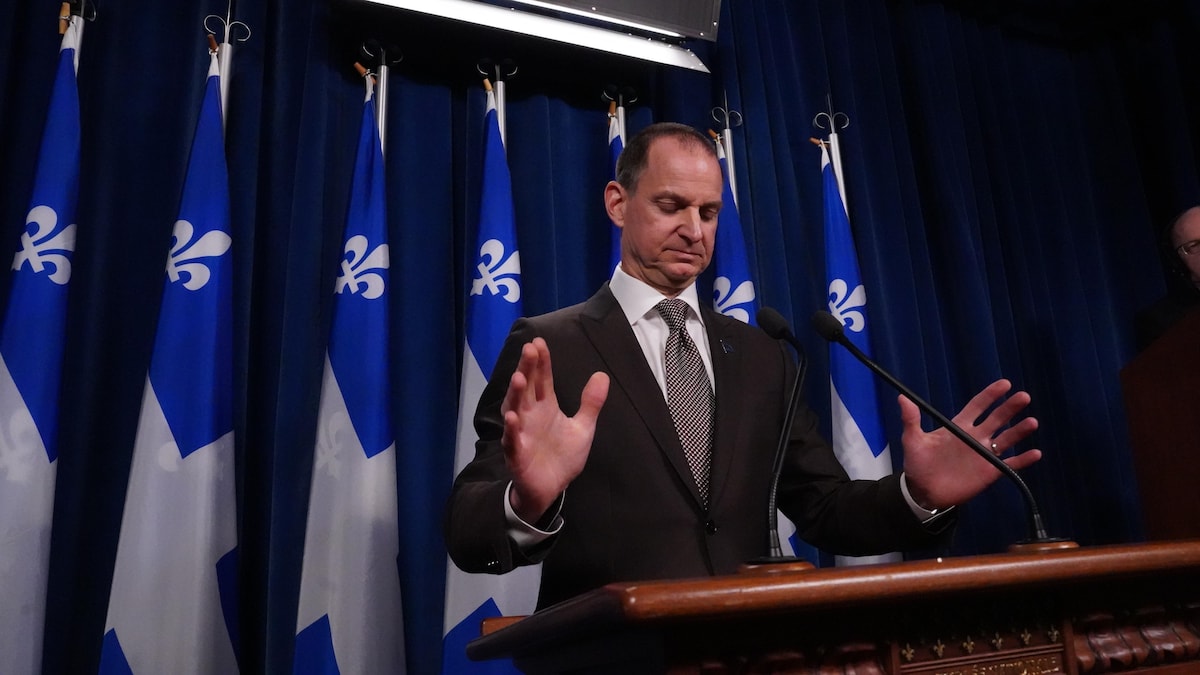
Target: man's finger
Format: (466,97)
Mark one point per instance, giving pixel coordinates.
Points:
(982,401)
(1015,434)
(595,393)
(543,375)
(910,414)
(517,385)
(1004,413)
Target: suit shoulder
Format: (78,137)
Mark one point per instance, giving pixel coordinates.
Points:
(596,306)
(726,325)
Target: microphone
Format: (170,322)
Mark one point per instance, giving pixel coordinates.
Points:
(773,323)
(831,329)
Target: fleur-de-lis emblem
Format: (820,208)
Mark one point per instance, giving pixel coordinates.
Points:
(357,273)
(332,435)
(42,246)
(496,273)
(845,305)
(185,254)
(18,438)
(729,302)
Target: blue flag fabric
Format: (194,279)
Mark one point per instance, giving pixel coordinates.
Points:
(616,144)
(350,616)
(493,305)
(733,287)
(172,603)
(734,296)
(32,341)
(858,435)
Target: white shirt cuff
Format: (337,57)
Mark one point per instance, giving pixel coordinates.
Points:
(923,514)
(525,535)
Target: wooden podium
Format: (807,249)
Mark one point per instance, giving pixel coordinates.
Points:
(1131,608)
(1161,388)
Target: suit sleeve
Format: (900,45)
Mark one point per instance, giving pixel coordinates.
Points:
(835,513)
(475,527)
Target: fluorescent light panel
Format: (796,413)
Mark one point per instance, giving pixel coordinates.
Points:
(602,17)
(559,30)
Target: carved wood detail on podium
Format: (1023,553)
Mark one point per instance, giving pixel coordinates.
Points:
(1151,636)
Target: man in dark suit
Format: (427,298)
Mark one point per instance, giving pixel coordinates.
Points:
(583,465)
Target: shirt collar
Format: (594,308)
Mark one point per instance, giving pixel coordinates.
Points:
(637,298)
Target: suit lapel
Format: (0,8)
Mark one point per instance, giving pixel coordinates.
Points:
(728,379)
(605,325)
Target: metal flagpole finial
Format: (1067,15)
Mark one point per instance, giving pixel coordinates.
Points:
(621,95)
(835,120)
(726,118)
(229,25)
(380,55)
(497,70)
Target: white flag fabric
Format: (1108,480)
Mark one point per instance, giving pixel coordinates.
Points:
(172,607)
(493,305)
(350,617)
(32,340)
(858,435)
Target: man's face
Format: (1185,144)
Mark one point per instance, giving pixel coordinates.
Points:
(669,219)
(1187,229)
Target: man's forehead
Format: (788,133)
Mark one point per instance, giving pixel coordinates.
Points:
(1188,227)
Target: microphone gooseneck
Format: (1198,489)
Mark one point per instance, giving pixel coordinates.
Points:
(831,329)
(773,323)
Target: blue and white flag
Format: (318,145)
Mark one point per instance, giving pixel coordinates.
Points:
(493,305)
(733,288)
(616,143)
(858,435)
(350,618)
(172,607)
(734,296)
(31,353)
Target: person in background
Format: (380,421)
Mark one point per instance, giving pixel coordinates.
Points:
(1179,247)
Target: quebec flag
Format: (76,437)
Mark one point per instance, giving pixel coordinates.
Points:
(172,607)
(733,289)
(616,143)
(734,296)
(350,616)
(858,436)
(31,352)
(493,305)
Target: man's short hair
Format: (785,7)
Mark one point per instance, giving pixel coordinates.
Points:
(634,157)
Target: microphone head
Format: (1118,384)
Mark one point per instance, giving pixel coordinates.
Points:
(828,326)
(773,323)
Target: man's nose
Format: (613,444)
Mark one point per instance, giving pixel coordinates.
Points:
(691,228)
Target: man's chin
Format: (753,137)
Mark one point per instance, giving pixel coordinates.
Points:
(681,275)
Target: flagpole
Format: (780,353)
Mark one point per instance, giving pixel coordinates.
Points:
(728,119)
(836,120)
(382,61)
(224,52)
(497,86)
(381,100)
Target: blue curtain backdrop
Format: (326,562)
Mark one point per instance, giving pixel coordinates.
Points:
(1007,164)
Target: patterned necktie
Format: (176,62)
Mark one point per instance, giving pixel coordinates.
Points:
(689,393)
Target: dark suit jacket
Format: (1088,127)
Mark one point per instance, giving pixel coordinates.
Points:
(634,512)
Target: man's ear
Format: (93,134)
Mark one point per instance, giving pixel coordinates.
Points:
(615,200)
